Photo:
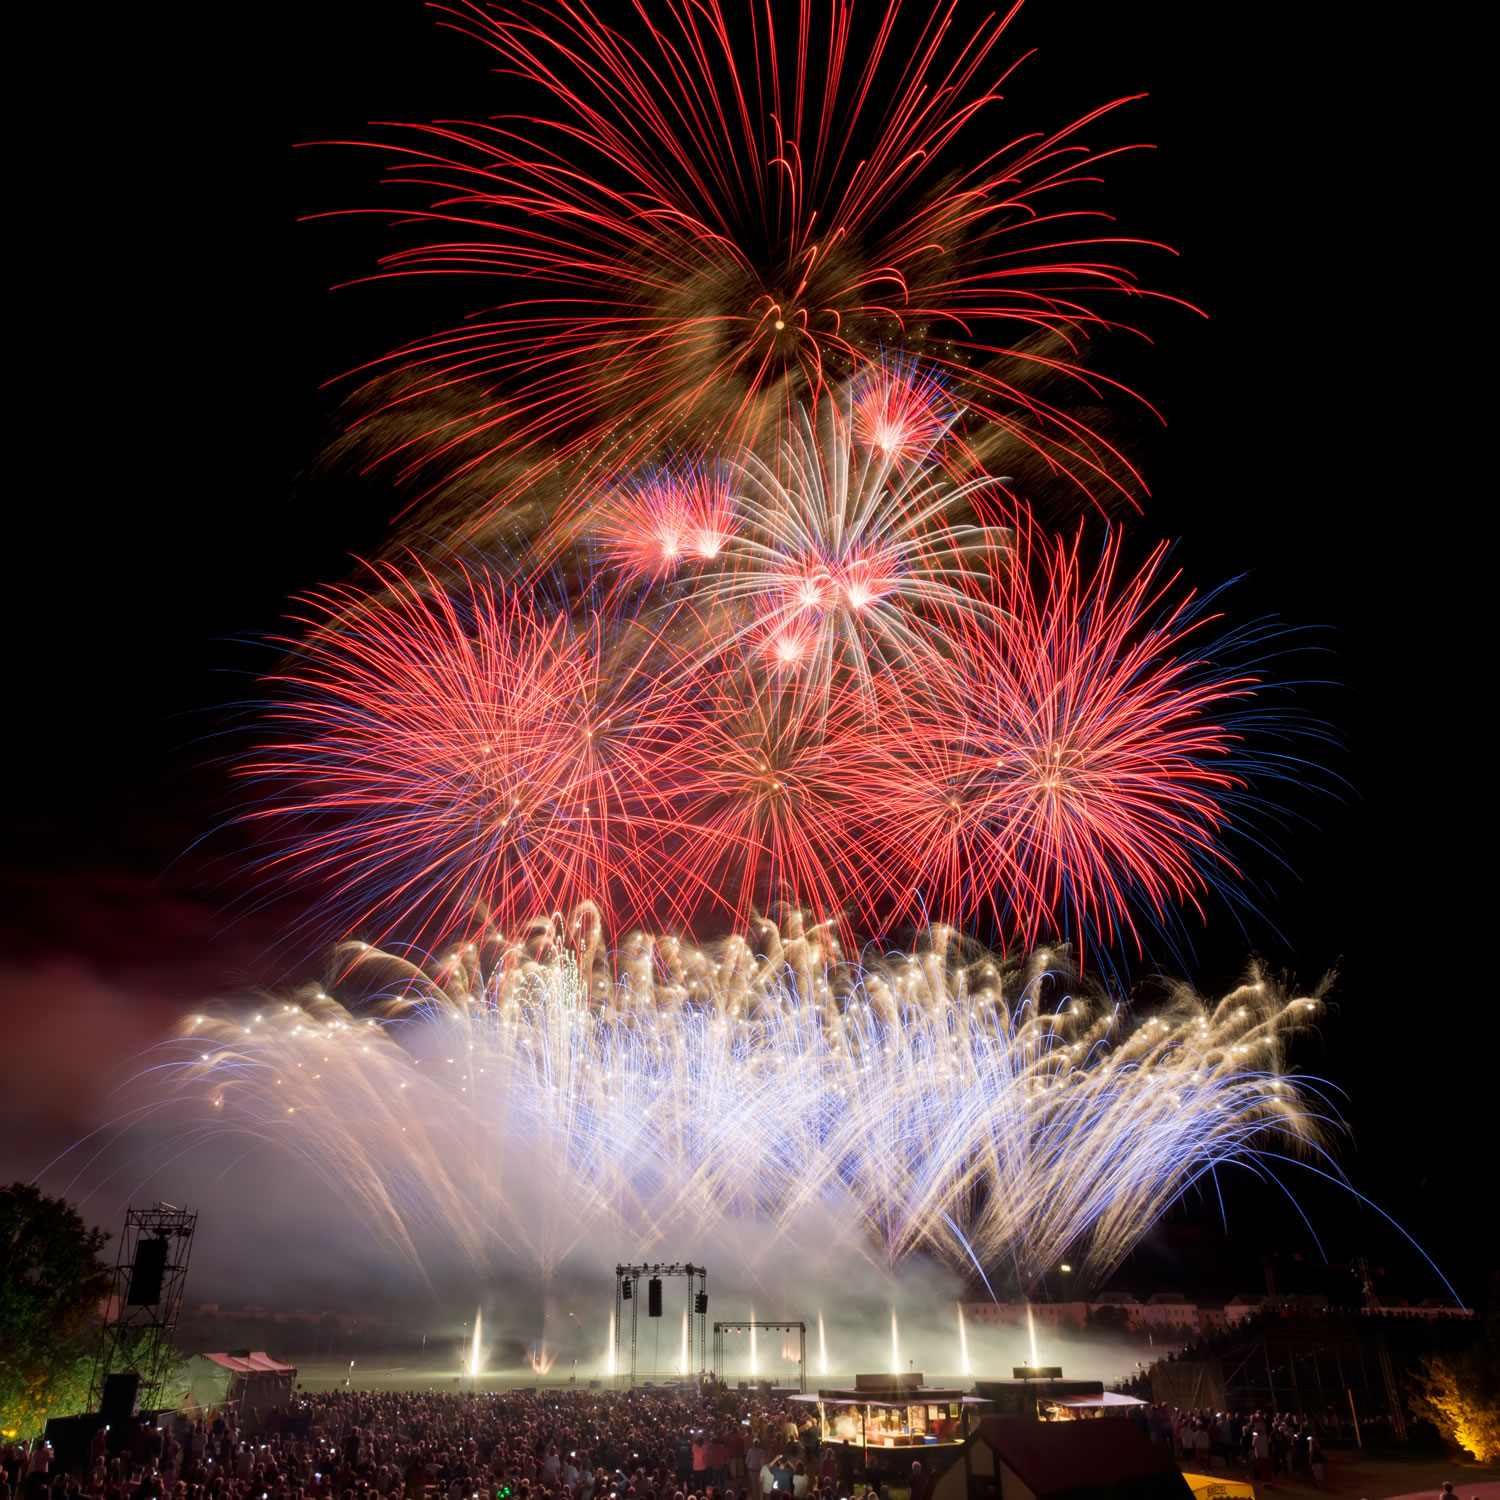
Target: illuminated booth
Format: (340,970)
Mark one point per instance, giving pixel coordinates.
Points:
(883,1412)
(1038,1393)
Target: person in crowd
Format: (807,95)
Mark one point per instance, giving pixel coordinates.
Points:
(718,1460)
(1315,1461)
(1260,1447)
(754,1458)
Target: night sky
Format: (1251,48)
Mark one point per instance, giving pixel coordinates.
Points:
(163,533)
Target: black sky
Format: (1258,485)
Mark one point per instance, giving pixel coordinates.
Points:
(185,327)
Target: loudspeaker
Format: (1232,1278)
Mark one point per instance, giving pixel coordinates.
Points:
(700,1303)
(144,1289)
(122,1391)
(627,1289)
(653,1297)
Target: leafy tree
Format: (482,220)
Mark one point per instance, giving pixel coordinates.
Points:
(51,1285)
(1458,1390)
(1109,1317)
(1450,1395)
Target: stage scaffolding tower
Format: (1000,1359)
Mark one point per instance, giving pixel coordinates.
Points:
(744,1325)
(150,1269)
(628,1301)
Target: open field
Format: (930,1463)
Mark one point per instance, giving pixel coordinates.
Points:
(381,1376)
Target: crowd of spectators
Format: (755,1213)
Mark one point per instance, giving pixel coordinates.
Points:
(1270,1446)
(705,1443)
(709,1444)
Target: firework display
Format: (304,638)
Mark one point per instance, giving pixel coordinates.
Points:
(984,1110)
(774,647)
(816,680)
(728,215)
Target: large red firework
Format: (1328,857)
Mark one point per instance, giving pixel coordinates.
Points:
(725,218)
(1067,766)
(449,755)
(762,798)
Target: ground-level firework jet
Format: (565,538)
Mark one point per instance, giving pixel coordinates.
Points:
(774,661)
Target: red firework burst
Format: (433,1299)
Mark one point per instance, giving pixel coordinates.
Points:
(717,245)
(447,756)
(761,798)
(653,524)
(1067,765)
(899,409)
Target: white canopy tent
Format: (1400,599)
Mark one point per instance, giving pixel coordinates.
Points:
(1106,1403)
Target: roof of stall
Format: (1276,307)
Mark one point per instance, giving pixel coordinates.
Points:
(252,1364)
(919,1395)
(1105,1398)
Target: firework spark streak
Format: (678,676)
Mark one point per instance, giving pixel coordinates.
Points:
(726,219)
(980,1110)
(847,560)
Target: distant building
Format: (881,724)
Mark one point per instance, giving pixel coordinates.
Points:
(1059,1314)
(1138,1316)
(1169,1312)
(1212,1317)
(994,1314)
(1239,1309)
(1013,1314)
(1430,1307)
(1169,1316)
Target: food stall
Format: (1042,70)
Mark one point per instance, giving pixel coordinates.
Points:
(886,1412)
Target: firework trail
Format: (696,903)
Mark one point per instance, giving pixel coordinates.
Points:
(982,1110)
(727,219)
